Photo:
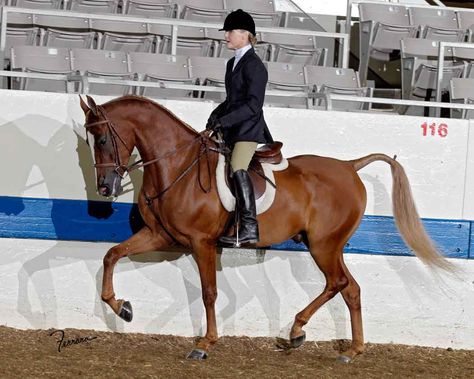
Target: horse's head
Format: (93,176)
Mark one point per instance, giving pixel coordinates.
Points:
(111,149)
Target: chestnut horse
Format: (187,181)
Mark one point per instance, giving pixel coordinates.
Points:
(320,200)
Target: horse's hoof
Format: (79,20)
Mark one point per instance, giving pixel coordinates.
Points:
(298,341)
(197,354)
(344,359)
(126,312)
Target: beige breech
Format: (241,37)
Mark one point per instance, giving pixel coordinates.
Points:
(242,155)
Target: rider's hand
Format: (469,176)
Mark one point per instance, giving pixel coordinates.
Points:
(213,123)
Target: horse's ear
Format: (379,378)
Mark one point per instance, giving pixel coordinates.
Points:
(84,106)
(92,105)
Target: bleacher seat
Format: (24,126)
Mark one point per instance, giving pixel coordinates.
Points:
(161,68)
(437,24)
(215,16)
(150,8)
(287,77)
(346,105)
(66,22)
(203,4)
(336,80)
(297,41)
(251,5)
(28,36)
(436,17)
(189,46)
(382,26)
(466,22)
(202,68)
(103,64)
(62,38)
(126,42)
(296,20)
(419,68)
(291,100)
(285,73)
(267,19)
(39,59)
(38,4)
(209,71)
(287,54)
(119,27)
(462,91)
(94,6)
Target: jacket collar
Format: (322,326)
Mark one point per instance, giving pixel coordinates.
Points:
(243,59)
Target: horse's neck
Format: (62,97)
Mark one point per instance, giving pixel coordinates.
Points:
(161,136)
(170,147)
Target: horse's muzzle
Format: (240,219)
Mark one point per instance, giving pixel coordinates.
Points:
(104,190)
(111,185)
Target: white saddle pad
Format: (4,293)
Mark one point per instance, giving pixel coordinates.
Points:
(265,201)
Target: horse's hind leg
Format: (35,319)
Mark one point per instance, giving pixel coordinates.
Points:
(141,242)
(351,295)
(329,260)
(338,279)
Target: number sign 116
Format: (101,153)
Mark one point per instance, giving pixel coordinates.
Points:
(434,129)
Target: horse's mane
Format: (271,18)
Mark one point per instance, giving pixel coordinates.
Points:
(153,103)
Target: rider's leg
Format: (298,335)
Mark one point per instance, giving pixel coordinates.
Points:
(248,229)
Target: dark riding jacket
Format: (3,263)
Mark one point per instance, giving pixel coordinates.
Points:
(241,114)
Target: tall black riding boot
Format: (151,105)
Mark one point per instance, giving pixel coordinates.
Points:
(245,206)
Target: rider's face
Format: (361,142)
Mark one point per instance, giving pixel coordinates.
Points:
(236,38)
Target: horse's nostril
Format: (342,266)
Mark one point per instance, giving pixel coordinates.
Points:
(104,190)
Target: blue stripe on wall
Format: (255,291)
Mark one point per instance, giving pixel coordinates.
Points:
(82,220)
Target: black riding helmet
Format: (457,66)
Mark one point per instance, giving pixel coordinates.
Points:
(239,19)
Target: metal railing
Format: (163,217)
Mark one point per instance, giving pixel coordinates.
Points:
(172,22)
(327,98)
(330,98)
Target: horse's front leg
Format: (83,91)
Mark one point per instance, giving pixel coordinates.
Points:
(141,242)
(205,255)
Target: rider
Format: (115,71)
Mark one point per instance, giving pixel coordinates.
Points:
(240,117)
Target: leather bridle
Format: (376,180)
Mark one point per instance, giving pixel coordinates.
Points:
(122,169)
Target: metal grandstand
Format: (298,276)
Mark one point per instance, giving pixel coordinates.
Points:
(151,48)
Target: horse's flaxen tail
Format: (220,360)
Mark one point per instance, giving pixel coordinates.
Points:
(405,213)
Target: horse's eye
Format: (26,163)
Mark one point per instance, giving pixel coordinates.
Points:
(102,140)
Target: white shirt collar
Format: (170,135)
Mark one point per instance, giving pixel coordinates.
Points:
(239,53)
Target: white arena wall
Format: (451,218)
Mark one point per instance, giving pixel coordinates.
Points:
(48,282)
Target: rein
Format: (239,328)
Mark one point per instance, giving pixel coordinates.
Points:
(203,150)
(122,169)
